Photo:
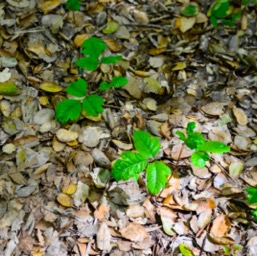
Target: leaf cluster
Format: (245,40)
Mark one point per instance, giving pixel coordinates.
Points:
(132,164)
(225,11)
(202,148)
(70,109)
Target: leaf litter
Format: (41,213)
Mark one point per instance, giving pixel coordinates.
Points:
(57,197)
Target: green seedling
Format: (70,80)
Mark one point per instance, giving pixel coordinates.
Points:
(92,49)
(132,164)
(70,109)
(224,11)
(73,5)
(201,147)
(252,199)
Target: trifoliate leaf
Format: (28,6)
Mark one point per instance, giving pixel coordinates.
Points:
(111,27)
(156,175)
(93,47)
(181,135)
(104,86)
(199,158)
(146,145)
(110,59)
(93,105)
(67,110)
(195,140)
(214,147)
(220,9)
(89,63)
(73,5)
(129,166)
(78,88)
(119,81)
(190,127)
(252,195)
(185,250)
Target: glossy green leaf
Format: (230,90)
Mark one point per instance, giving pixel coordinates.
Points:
(68,110)
(252,195)
(77,88)
(119,81)
(73,5)
(93,105)
(185,250)
(190,128)
(214,147)
(111,59)
(146,145)
(129,166)
(181,135)
(220,9)
(89,63)
(93,47)
(104,86)
(254,213)
(195,140)
(190,10)
(199,158)
(157,176)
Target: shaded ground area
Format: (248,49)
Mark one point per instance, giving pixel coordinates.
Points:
(56,193)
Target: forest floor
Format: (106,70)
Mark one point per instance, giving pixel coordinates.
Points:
(57,195)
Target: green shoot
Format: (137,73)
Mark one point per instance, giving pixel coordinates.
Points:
(73,5)
(132,164)
(196,142)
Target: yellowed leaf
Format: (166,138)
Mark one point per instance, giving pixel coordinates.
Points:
(50,87)
(64,200)
(48,5)
(179,66)
(69,189)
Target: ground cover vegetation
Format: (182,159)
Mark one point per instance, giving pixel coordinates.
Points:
(128,128)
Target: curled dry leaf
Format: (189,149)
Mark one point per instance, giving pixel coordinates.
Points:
(221,225)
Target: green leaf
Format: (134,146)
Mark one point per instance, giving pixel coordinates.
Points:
(73,5)
(8,89)
(156,176)
(185,250)
(214,21)
(78,88)
(129,166)
(93,105)
(146,145)
(119,81)
(199,158)
(245,2)
(89,63)
(111,27)
(228,22)
(190,10)
(214,147)
(190,128)
(254,213)
(111,59)
(181,135)
(220,9)
(104,86)
(67,110)
(195,140)
(93,47)
(252,195)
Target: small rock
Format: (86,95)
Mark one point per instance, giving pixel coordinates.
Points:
(64,135)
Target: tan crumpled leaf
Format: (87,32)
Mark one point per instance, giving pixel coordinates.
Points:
(134,232)
(103,237)
(220,225)
(240,115)
(213,108)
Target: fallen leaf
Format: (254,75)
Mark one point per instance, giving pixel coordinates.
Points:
(134,232)
(64,200)
(220,225)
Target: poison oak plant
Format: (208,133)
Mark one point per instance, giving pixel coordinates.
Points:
(252,199)
(70,109)
(133,163)
(201,147)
